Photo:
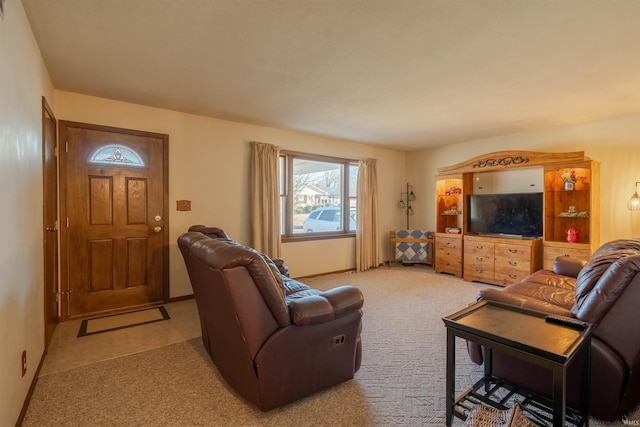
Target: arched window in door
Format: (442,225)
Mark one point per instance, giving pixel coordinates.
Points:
(114,154)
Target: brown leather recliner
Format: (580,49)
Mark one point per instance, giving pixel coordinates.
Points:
(604,291)
(273,339)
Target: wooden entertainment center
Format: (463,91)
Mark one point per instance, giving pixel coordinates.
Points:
(570,185)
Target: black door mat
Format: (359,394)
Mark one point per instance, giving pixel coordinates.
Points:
(114,322)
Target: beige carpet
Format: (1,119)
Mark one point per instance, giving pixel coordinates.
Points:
(400,383)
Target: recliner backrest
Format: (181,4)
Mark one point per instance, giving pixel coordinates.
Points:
(213,232)
(608,295)
(603,278)
(228,254)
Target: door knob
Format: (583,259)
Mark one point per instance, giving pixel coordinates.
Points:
(157,229)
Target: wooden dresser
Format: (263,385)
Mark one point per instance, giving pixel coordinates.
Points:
(500,261)
(449,254)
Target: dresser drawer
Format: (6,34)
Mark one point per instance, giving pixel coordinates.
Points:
(478,262)
(480,251)
(509,264)
(574,250)
(451,243)
(478,272)
(449,264)
(479,245)
(513,258)
(514,252)
(478,259)
(447,252)
(514,262)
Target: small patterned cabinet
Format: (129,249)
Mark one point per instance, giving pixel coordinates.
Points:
(411,246)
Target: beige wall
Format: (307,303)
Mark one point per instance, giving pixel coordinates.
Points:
(209,165)
(614,142)
(23,82)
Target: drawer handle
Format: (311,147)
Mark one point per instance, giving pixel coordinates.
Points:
(514,263)
(479,270)
(513,276)
(513,251)
(480,247)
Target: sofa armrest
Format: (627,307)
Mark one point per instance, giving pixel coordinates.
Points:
(525,301)
(326,306)
(567,266)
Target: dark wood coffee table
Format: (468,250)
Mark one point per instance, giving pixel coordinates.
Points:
(528,335)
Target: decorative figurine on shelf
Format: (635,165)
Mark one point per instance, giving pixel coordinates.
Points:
(572,235)
(453,190)
(569,178)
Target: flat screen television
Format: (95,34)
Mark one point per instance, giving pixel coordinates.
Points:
(518,214)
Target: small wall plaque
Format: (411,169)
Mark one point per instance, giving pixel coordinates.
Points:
(183,205)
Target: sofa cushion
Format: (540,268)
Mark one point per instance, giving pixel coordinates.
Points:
(543,291)
(295,289)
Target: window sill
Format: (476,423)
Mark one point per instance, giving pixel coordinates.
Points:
(304,237)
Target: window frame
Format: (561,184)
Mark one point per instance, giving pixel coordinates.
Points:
(288,158)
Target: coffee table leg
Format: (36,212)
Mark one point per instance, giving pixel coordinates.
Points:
(488,367)
(451,375)
(559,398)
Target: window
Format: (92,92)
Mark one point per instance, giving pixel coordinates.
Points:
(317,196)
(116,155)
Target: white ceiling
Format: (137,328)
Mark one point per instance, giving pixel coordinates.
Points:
(404,74)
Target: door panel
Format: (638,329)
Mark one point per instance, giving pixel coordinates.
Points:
(116,208)
(50,220)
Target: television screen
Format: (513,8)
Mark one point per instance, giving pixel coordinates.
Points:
(515,214)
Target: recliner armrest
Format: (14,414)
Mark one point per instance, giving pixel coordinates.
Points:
(326,306)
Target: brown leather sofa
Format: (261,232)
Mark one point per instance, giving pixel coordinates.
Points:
(272,338)
(604,291)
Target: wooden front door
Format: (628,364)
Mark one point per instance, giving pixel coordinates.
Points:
(50,221)
(114,202)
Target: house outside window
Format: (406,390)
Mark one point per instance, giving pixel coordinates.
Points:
(317,196)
